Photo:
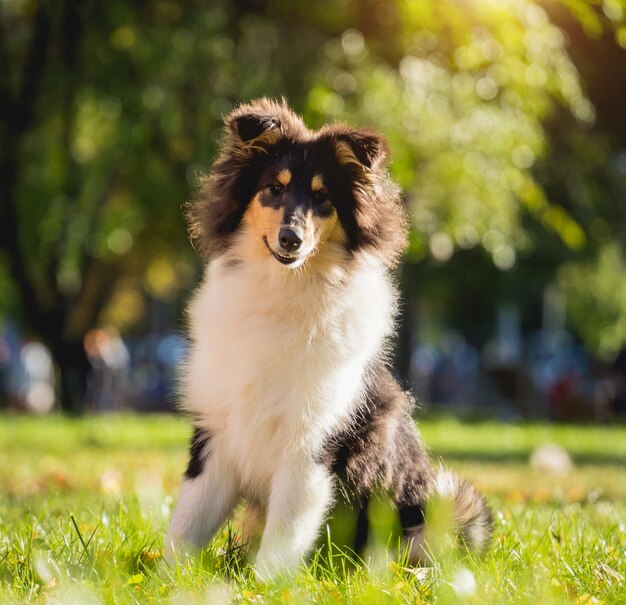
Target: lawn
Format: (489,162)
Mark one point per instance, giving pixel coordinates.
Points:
(84,504)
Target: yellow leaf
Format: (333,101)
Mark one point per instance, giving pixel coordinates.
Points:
(136,579)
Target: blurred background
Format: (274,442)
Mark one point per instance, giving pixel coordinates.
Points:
(507,125)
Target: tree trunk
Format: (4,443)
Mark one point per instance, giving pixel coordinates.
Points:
(73,369)
(43,307)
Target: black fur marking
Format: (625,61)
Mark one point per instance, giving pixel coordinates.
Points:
(197,453)
(303,161)
(323,209)
(362,528)
(382,449)
(410,516)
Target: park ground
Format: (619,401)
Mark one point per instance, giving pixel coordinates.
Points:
(84,504)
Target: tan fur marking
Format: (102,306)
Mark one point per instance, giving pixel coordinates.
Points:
(317,182)
(260,143)
(328,229)
(337,234)
(284,177)
(263,220)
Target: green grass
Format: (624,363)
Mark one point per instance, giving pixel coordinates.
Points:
(84,505)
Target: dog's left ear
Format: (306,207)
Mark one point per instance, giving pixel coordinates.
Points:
(365,148)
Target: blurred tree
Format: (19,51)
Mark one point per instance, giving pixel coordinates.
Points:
(493,139)
(463,90)
(110,109)
(597,299)
(100,123)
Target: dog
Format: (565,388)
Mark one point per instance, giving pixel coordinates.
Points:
(287,379)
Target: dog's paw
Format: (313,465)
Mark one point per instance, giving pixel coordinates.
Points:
(272,566)
(177,551)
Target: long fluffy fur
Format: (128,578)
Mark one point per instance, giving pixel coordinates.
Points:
(286,381)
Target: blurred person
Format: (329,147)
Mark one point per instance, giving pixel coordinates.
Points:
(110,364)
(457,374)
(37,388)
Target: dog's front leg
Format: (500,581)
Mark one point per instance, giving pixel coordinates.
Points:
(205,501)
(300,495)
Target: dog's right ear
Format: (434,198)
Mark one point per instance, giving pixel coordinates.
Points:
(250,126)
(254,127)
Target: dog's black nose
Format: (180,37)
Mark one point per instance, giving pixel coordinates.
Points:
(289,239)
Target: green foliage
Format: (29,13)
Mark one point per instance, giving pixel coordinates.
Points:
(84,505)
(476,98)
(597,299)
(587,13)
(464,110)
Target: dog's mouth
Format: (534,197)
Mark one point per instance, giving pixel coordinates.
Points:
(281,258)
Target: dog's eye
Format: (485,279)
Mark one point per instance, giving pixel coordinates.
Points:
(320,197)
(276,189)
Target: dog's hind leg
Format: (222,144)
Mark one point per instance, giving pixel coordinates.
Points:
(208,495)
(411,481)
(382,449)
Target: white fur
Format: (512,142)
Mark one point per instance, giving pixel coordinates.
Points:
(193,522)
(446,485)
(277,362)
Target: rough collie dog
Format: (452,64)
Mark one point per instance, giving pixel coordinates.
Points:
(287,381)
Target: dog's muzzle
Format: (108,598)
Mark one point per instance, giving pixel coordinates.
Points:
(290,239)
(285,259)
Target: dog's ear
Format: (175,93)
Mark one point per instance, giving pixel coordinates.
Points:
(250,126)
(255,126)
(364,148)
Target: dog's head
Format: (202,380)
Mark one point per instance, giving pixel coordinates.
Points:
(293,192)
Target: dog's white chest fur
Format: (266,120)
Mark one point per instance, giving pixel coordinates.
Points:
(278,359)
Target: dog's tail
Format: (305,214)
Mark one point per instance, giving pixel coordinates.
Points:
(454,513)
